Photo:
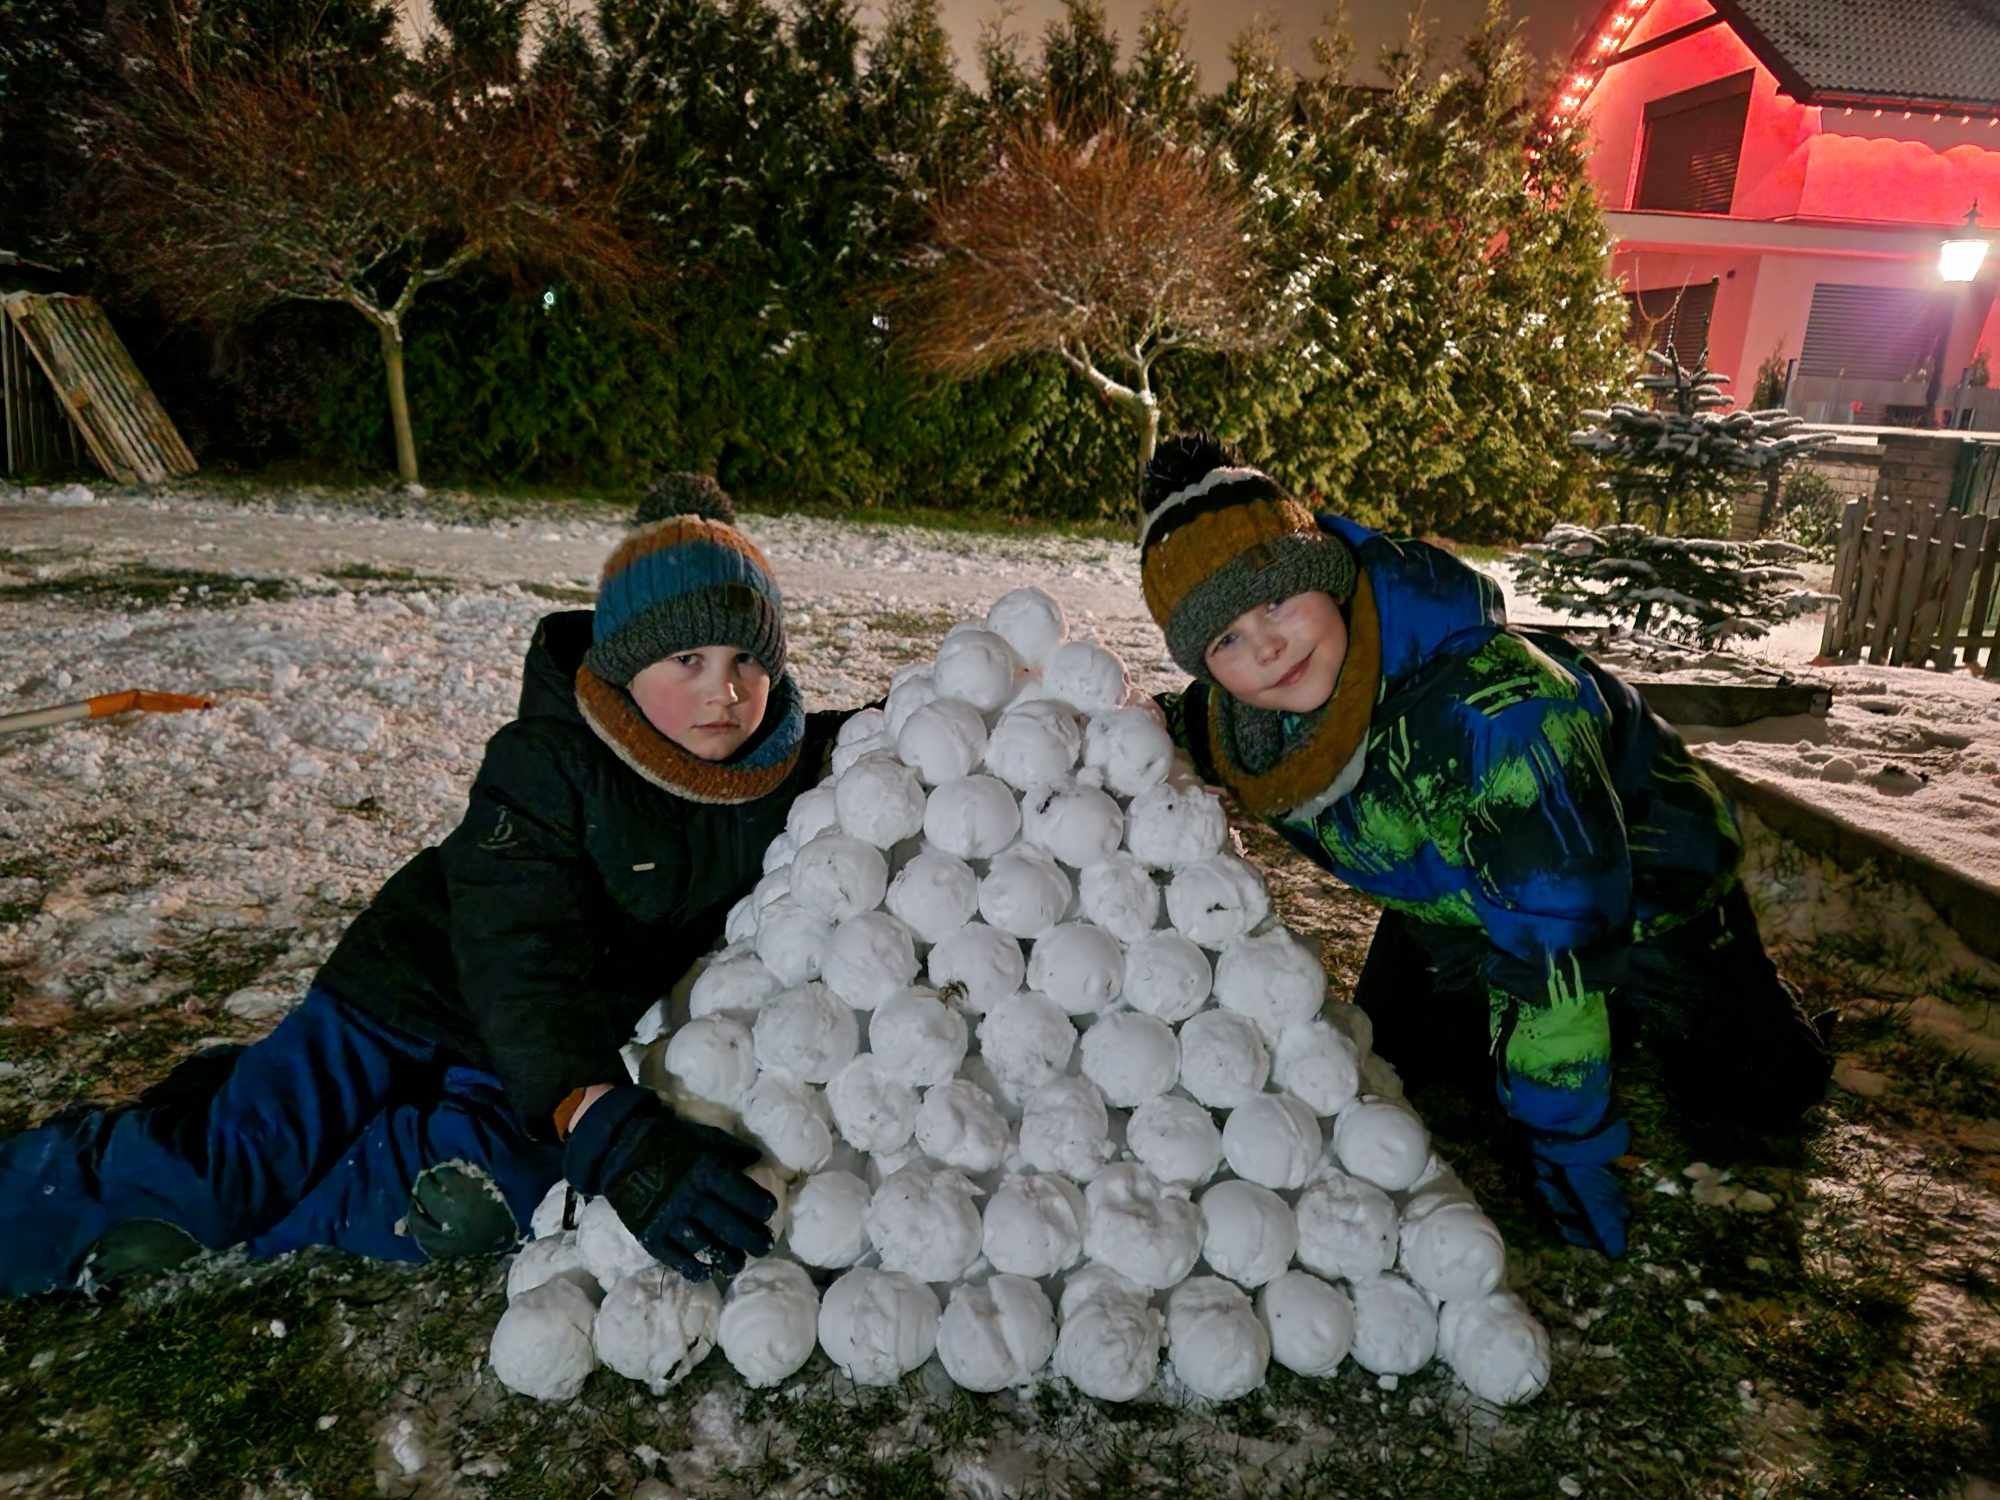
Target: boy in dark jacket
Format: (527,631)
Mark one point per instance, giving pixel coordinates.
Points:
(1547,850)
(459,1052)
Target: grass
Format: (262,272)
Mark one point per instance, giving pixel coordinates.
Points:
(135,585)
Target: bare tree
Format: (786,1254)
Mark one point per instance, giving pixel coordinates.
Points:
(1108,253)
(225,188)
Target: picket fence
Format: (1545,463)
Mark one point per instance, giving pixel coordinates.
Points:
(1915,586)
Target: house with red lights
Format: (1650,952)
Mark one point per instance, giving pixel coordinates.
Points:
(1793,180)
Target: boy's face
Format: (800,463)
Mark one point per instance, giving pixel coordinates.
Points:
(1284,655)
(709,701)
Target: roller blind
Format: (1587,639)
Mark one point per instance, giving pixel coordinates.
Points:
(1651,315)
(1872,332)
(1692,142)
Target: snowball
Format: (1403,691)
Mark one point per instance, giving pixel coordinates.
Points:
(1130,748)
(1311,1323)
(909,691)
(981,965)
(977,666)
(936,893)
(543,1259)
(739,984)
(549,1213)
(1382,1141)
(1029,621)
(958,1125)
(1453,1251)
(828,1222)
(656,1326)
(1215,1342)
(610,1251)
(790,1121)
(1140,1229)
(740,925)
(1274,979)
(883,1165)
(871,957)
(996,1334)
(1085,676)
(771,887)
(1175,824)
(770,1322)
(877,1326)
(812,813)
(1025,892)
(1379,1077)
(837,875)
(779,853)
(1395,1326)
(542,1346)
(1496,1346)
(1110,1343)
(874,1108)
(863,723)
(1034,1225)
(1217,900)
(1079,825)
(1034,744)
(923,1221)
(1352,1022)
(1026,1040)
(1272,1139)
(845,757)
(1065,1128)
(1131,1057)
(712,1059)
(974,817)
(1347,1227)
(1120,895)
(942,741)
(1248,1233)
(791,941)
(1316,1063)
(880,800)
(1078,966)
(806,1034)
(1176,1139)
(1223,1060)
(919,1040)
(1166,976)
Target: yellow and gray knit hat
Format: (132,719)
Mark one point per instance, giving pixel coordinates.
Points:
(1221,537)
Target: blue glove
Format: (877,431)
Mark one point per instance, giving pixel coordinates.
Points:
(679,1187)
(1572,1175)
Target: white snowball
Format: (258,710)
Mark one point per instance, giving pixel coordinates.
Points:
(942,741)
(1139,1228)
(1120,895)
(1025,892)
(1217,900)
(862,724)
(977,666)
(773,886)
(1111,1338)
(1352,1022)
(1272,1139)
(1395,1326)
(828,1222)
(1347,1227)
(910,690)
(1078,966)
(548,1215)
(1085,676)
(711,1058)
(997,1333)
(1036,743)
(790,1121)
(886,1164)
(1131,1057)
(837,875)
(779,853)
(1029,621)
(1176,1139)
(1079,825)
(874,1108)
(540,1260)
(542,1346)
(1130,748)
(958,1125)
(770,1322)
(877,1326)
(1273,978)
(983,963)
(812,813)
(1215,1342)
(740,925)
(1248,1233)
(880,800)
(806,1034)
(974,817)
(737,985)
(1496,1346)
(791,941)
(1175,824)
(610,1251)
(1382,1141)
(872,957)
(919,1040)
(1453,1251)
(1034,1225)
(1026,1040)
(1318,1064)
(1065,1128)
(1311,1323)
(922,1220)
(845,757)
(1224,1063)
(656,1326)
(936,893)
(1166,976)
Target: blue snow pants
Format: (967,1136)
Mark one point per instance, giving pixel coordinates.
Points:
(314,1135)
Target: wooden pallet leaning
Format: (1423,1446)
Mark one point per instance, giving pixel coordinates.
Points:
(1979,632)
(1914,587)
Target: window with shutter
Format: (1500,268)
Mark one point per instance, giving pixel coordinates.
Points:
(1682,313)
(1873,332)
(1687,161)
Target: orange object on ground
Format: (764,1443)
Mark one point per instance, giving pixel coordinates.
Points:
(103,706)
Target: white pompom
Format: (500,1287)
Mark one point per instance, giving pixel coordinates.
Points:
(1175,1139)
(656,1326)
(943,740)
(981,965)
(1120,895)
(977,666)
(1078,966)
(1130,748)
(1215,1343)
(1272,978)
(1217,901)
(974,817)
(872,957)
(1175,824)
(880,801)
(806,1034)
(1272,1139)
(936,893)
(1034,1225)
(1079,825)
(1310,1322)
(1166,976)
(1248,1232)
(1224,1063)
(877,1326)
(837,875)
(1036,743)
(1085,676)
(1029,621)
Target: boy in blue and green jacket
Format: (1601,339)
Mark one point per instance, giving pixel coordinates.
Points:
(1548,852)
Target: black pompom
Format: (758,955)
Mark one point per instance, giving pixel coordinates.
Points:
(1178,462)
(685,495)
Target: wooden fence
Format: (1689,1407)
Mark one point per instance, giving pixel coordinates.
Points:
(1915,586)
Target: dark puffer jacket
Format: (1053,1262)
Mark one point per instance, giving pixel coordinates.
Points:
(572,895)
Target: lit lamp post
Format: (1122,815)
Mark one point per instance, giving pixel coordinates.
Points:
(1960,256)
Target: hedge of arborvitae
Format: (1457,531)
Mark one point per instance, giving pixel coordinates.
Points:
(1450,315)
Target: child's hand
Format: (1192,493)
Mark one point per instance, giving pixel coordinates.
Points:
(1573,1178)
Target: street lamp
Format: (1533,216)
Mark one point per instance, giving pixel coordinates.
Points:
(1960,257)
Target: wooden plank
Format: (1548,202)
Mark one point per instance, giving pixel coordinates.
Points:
(69,388)
(1951,618)
(1988,565)
(1853,630)
(1846,565)
(1888,584)
(110,396)
(1725,705)
(151,429)
(1909,587)
(1933,567)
